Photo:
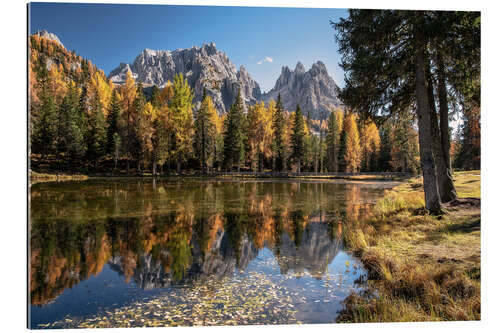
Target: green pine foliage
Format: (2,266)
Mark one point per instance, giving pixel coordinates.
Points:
(279,149)
(96,131)
(234,136)
(333,143)
(205,132)
(71,126)
(298,137)
(45,126)
(112,122)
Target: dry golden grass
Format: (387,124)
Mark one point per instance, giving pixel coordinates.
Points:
(36,177)
(420,267)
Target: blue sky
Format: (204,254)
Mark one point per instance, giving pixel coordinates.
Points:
(261,39)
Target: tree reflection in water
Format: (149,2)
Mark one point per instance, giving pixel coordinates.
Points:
(160,233)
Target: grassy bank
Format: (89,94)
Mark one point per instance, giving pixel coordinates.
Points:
(420,267)
(37,177)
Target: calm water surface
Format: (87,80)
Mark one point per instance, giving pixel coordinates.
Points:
(114,253)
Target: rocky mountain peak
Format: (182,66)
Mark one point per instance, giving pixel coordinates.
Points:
(314,90)
(319,67)
(209,49)
(299,68)
(204,67)
(49,35)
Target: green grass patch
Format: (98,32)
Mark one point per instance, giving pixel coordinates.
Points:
(420,267)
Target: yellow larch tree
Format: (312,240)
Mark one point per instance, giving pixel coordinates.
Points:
(352,156)
(370,145)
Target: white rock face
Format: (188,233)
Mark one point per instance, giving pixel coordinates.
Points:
(49,35)
(314,90)
(203,67)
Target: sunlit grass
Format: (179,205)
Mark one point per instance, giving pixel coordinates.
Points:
(422,267)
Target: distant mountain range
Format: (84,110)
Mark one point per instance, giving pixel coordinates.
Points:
(203,67)
(314,90)
(207,68)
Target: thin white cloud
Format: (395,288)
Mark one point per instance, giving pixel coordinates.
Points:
(266,59)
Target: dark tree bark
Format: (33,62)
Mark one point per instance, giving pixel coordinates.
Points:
(432,200)
(446,188)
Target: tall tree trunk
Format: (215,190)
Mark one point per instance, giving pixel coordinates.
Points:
(335,167)
(321,146)
(446,188)
(299,165)
(128,166)
(179,166)
(445,131)
(432,200)
(154,167)
(203,148)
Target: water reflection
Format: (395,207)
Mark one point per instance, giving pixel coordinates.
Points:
(163,233)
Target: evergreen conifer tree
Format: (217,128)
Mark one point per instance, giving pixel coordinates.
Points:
(298,137)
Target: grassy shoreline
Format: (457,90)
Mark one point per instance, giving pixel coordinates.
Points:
(420,267)
(45,176)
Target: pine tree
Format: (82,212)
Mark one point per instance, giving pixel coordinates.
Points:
(279,124)
(469,153)
(155,97)
(234,138)
(128,93)
(205,132)
(333,141)
(96,131)
(298,137)
(112,122)
(44,129)
(404,51)
(384,159)
(162,134)
(142,131)
(71,125)
(342,150)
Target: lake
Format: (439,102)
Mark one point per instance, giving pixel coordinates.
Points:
(149,252)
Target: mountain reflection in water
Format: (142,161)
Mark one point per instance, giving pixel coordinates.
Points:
(162,234)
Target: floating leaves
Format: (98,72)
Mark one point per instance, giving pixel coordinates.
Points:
(252,300)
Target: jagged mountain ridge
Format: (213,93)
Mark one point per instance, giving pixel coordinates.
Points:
(204,67)
(314,90)
(207,68)
(49,35)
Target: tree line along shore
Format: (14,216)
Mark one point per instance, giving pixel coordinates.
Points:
(81,123)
